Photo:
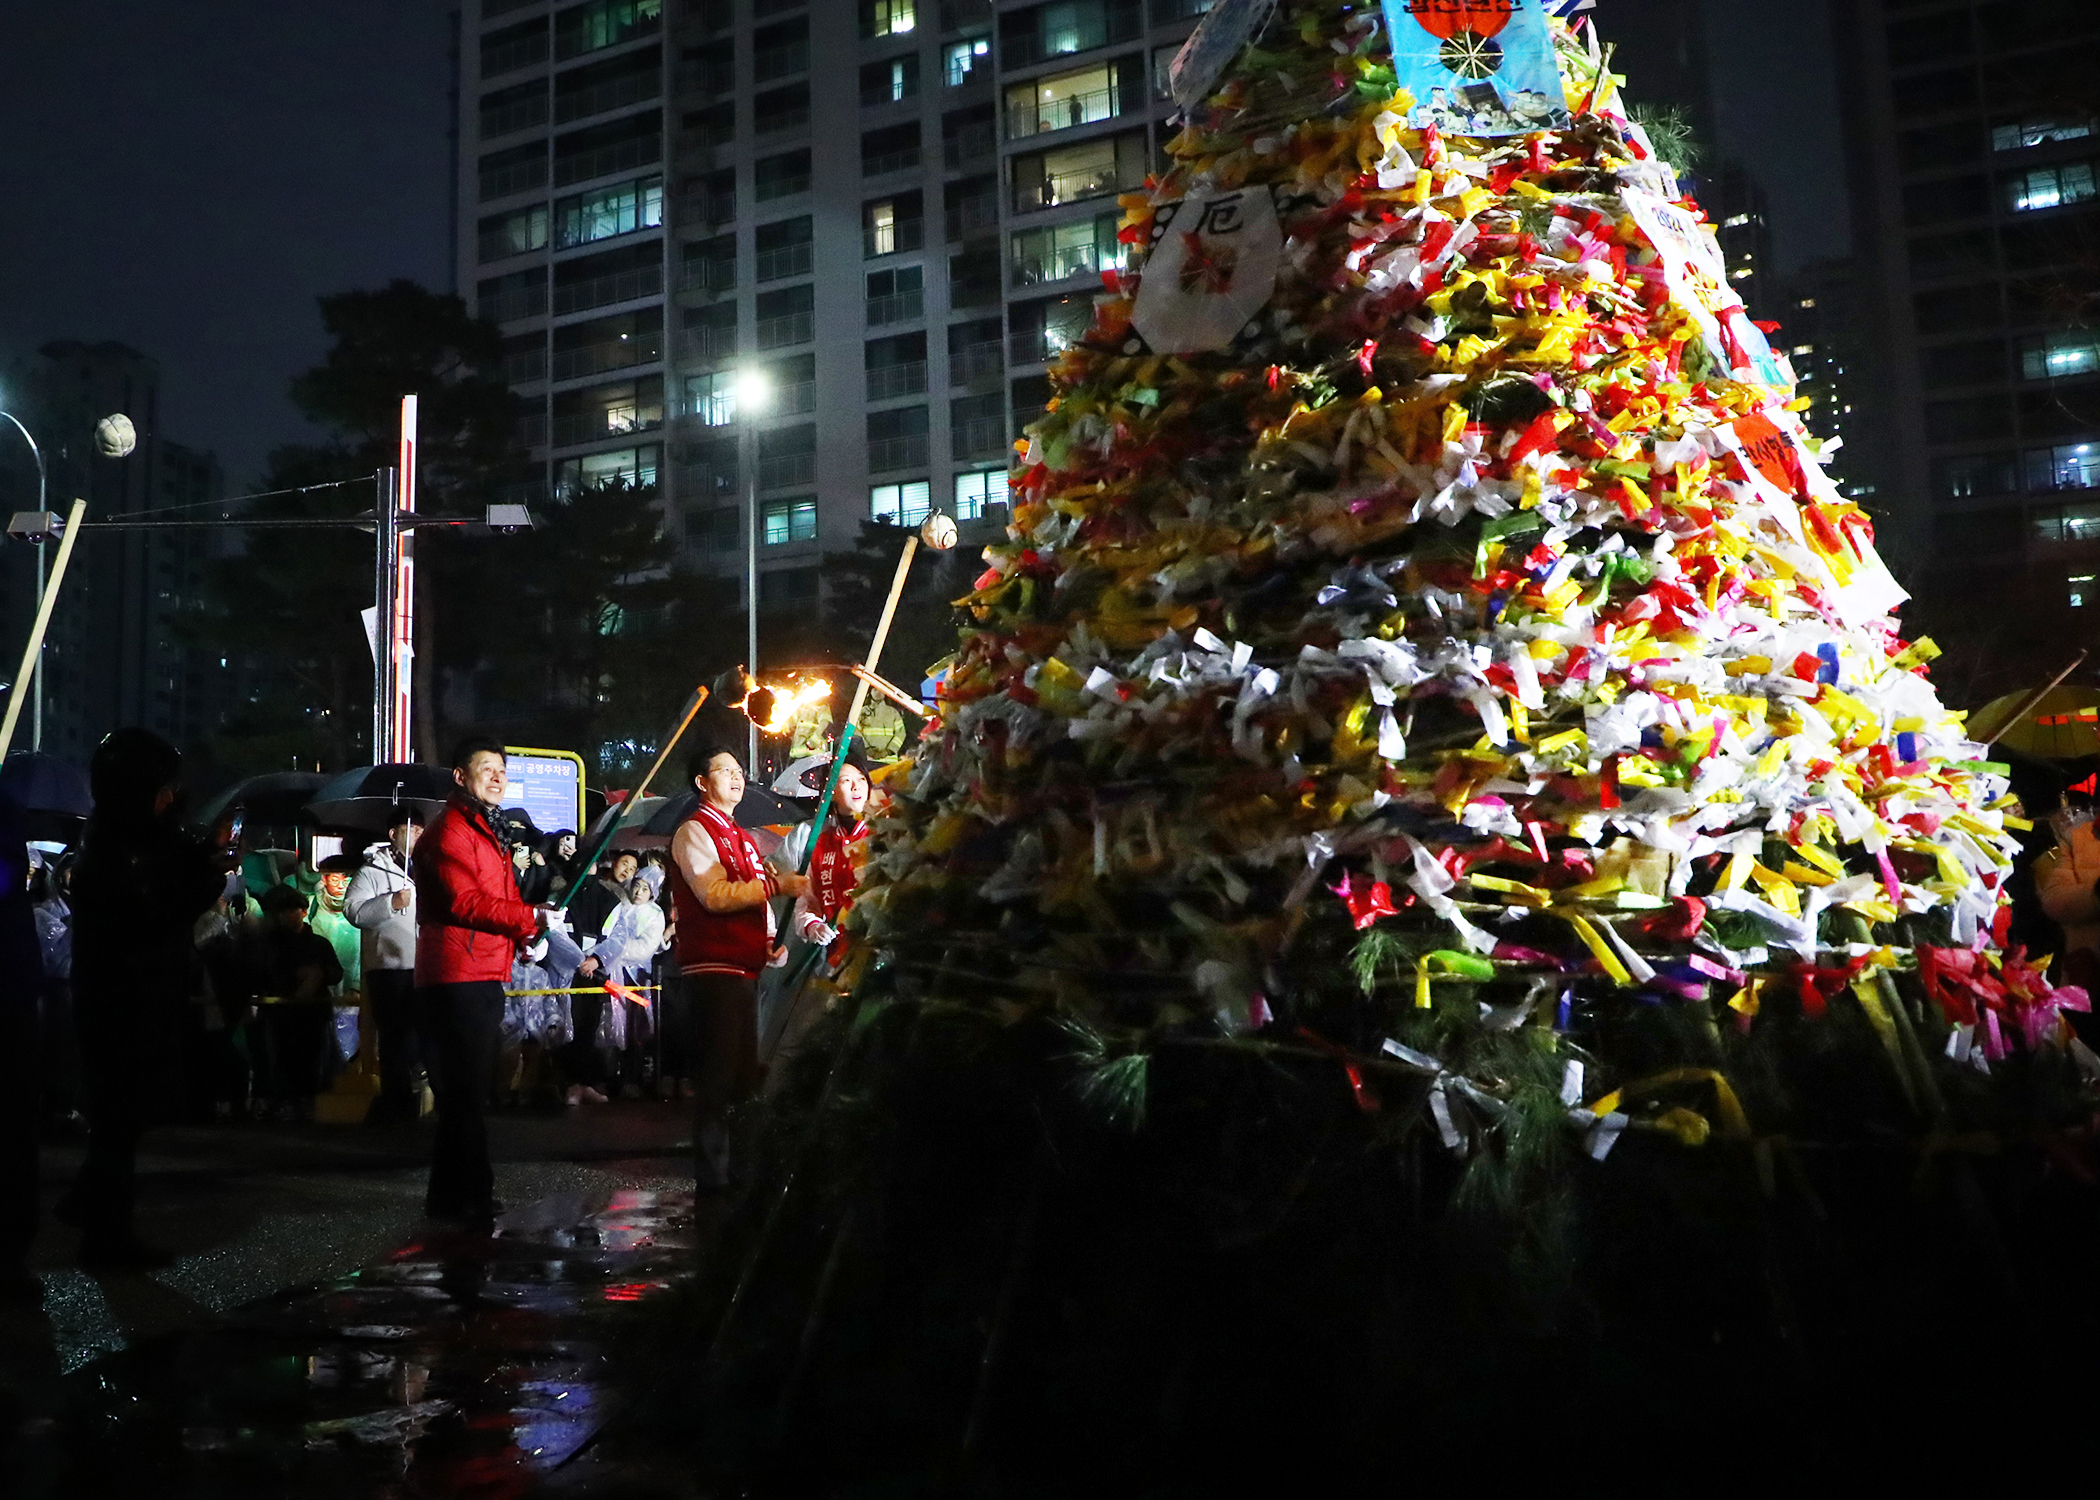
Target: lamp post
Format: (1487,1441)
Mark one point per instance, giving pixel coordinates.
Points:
(754,392)
(36,690)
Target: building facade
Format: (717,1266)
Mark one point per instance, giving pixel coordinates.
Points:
(887,214)
(1973,152)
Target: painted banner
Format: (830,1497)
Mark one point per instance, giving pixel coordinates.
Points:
(1477,67)
(1210,272)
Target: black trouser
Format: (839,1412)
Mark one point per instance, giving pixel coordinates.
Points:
(725,1024)
(461,1026)
(391,994)
(19,1110)
(127,1047)
(289,1041)
(581,1061)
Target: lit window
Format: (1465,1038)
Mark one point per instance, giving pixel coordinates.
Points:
(2023,133)
(1735,221)
(960,59)
(1802,349)
(973,492)
(1806,302)
(790,520)
(632,468)
(2071,466)
(1083,247)
(609,212)
(712,398)
(882,229)
(901,504)
(894,17)
(2050,187)
(2050,356)
(2081,589)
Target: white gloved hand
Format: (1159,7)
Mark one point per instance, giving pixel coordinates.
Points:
(819,932)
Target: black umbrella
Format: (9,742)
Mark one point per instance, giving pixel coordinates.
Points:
(759,809)
(44,783)
(271,806)
(361,800)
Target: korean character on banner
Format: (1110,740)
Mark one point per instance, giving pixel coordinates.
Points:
(1211,271)
(1483,67)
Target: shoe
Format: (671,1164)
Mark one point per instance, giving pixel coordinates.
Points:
(122,1252)
(592,1096)
(18,1286)
(573,1098)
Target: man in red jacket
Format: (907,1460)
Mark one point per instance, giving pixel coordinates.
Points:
(723,892)
(469,921)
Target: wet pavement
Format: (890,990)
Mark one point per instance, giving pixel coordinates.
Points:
(313,1342)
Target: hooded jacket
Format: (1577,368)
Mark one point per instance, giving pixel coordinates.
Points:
(389,936)
(469,919)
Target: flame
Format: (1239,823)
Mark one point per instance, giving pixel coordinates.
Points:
(773,706)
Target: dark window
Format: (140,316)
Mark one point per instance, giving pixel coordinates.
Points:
(890,149)
(793,383)
(1928,38)
(517,233)
(1969,475)
(1963,254)
(973,278)
(514,171)
(1955,307)
(1964,364)
(897,438)
(710,471)
(505,299)
(969,138)
(784,249)
(601,150)
(787,455)
(781,109)
(518,108)
(976,352)
(977,426)
(708,265)
(710,127)
(718,530)
(1947,199)
(514,47)
(599,87)
(708,70)
(615,343)
(1935,93)
(896,296)
(710,198)
(602,280)
(1941,145)
(896,366)
(1042,329)
(525,358)
(789,588)
(893,224)
(2065,241)
(780,176)
(1969,419)
(787,316)
(890,81)
(780,49)
(2067,410)
(972,206)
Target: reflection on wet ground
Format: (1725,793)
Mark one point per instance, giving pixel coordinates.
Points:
(458,1365)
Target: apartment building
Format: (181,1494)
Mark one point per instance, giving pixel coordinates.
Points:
(1975,175)
(884,215)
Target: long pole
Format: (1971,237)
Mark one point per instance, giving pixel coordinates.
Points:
(43,505)
(383,534)
(401,628)
(43,621)
(612,824)
(751,601)
(882,627)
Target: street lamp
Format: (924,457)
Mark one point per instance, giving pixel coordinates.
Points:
(116,437)
(754,393)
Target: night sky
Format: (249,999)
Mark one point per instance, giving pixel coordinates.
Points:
(187,177)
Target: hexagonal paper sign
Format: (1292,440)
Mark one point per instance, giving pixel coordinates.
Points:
(1211,270)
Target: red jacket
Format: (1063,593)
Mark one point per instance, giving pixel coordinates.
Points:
(469,919)
(716,942)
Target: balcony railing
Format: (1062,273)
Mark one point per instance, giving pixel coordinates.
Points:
(709,479)
(972,216)
(788,260)
(970,292)
(1061,114)
(707,346)
(580,166)
(977,362)
(501,182)
(956,14)
(894,237)
(596,359)
(710,276)
(1063,41)
(603,291)
(518,302)
(787,469)
(1073,260)
(507,56)
(519,114)
(889,161)
(707,208)
(887,382)
(530,430)
(898,307)
(778,62)
(633,88)
(793,400)
(1072,186)
(591,427)
(969,146)
(765,189)
(790,328)
(709,79)
(983,437)
(898,452)
(1032,348)
(524,368)
(778,120)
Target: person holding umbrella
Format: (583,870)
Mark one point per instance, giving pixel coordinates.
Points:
(382,906)
(722,891)
(469,924)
